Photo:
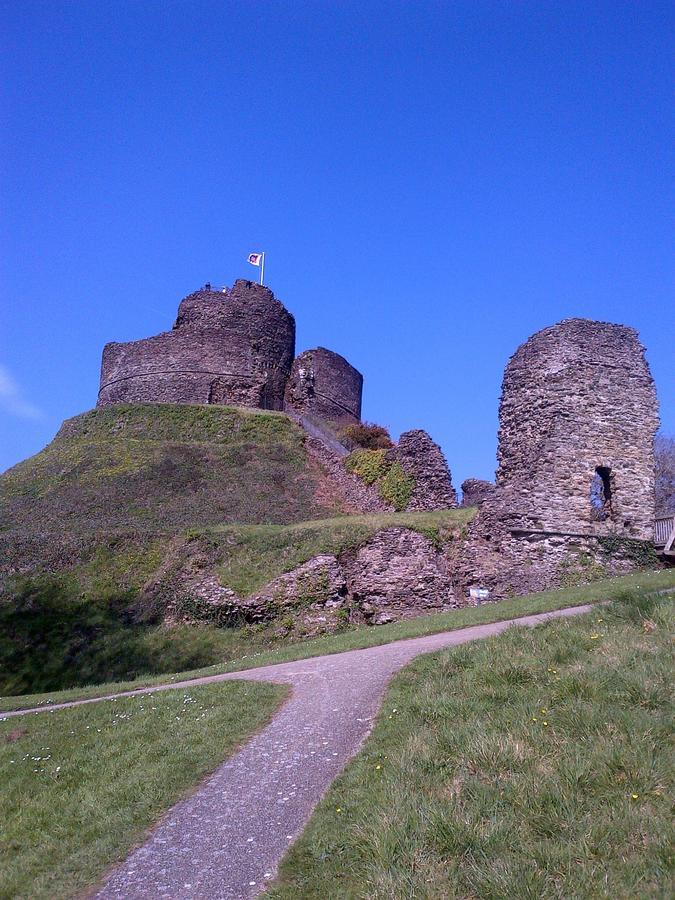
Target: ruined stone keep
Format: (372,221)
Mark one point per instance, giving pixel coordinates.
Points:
(575,484)
(232,347)
(578,416)
(323,383)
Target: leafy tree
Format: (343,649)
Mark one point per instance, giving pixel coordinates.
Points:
(664,449)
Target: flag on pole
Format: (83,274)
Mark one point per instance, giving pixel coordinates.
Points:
(258,259)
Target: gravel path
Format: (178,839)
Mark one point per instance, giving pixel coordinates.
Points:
(226,840)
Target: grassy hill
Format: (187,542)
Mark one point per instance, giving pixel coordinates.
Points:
(94,529)
(164,468)
(116,483)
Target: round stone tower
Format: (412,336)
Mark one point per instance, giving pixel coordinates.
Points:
(232,347)
(578,416)
(324,384)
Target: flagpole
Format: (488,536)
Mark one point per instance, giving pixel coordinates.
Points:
(262,269)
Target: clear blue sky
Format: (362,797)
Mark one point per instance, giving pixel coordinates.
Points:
(432,182)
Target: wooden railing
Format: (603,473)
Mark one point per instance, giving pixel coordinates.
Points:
(664,533)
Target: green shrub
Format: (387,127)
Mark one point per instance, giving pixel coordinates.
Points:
(642,553)
(373,467)
(369,465)
(396,487)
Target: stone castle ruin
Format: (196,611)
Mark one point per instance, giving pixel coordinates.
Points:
(233,347)
(577,421)
(236,347)
(423,459)
(574,490)
(475,491)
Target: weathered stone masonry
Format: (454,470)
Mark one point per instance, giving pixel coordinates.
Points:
(578,407)
(234,347)
(423,459)
(475,491)
(578,416)
(323,383)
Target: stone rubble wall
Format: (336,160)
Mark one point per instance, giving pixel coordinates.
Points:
(324,384)
(475,491)
(398,573)
(505,553)
(423,459)
(575,397)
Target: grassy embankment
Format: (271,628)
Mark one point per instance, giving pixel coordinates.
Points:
(532,765)
(88,624)
(99,521)
(253,653)
(159,469)
(81,786)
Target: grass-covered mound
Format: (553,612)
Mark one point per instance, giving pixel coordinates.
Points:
(81,786)
(535,764)
(93,622)
(162,468)
(253,555)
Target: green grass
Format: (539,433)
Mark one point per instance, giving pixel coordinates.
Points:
(162,468)
(94,623)
(81,786)
(250,648)
(537,765)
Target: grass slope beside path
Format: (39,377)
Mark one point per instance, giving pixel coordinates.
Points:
(533,765)
(80,786)
(369,636)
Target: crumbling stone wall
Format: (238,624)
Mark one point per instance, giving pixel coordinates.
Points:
(578,402)
(397,573)
(578,416)
(324,384)
(423,460)
(475,491)
(233,347)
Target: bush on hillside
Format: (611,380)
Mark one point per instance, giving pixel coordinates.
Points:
(369,465)
(367,435)
(396,487)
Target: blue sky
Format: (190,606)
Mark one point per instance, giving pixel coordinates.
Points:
(432,182)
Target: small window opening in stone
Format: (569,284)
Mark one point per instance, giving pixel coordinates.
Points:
(601,494)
